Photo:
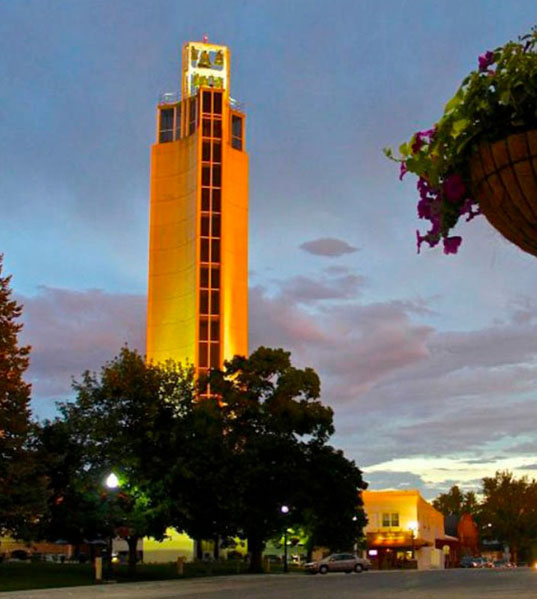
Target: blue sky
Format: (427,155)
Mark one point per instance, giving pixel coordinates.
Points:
(430,361)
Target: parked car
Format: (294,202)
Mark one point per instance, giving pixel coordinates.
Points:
(475,562)
(338,562)
(503,564)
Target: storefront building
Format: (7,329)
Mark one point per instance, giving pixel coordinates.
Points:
(404,531)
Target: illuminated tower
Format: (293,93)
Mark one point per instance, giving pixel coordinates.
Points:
(198,243)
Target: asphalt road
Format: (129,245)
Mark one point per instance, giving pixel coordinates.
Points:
(443,584)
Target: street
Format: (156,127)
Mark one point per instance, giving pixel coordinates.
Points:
(442,584)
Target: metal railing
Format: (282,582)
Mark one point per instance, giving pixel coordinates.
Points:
(175,97)
(236,105)
(169,98)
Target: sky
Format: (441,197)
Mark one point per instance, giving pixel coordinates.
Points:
(429,361)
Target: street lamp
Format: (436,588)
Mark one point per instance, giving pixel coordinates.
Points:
(413,527)
(285,510)
(112,483)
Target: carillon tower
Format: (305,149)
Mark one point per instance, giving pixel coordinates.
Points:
(198,243)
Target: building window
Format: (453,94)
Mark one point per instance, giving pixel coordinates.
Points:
(203,357)
(217,99)
(215,355)
(215,330)
(215,250)
(206,101)
(215,277)
(216,200)
(178,122)
(390,520)
(215,302)
(166,125)
(205,199)
(205,250)
(204,301)
(192,115)
(205,225)
(206,151)
(217,152)
(215,232)
(236,132)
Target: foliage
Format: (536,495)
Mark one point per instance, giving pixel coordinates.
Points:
(497,99)
(455,502)
(333,519)
(510,508)
(217,466)
(22,496)
(116,423)
(275,435)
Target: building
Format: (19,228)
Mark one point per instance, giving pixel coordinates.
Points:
(197,309)
(404,531)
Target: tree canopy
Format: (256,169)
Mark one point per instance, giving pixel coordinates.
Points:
(215,461)
(21,487)
(456,502)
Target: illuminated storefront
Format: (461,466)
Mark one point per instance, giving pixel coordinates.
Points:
(403,530)
(198,244)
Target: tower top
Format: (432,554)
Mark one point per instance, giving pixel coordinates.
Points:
(205,65)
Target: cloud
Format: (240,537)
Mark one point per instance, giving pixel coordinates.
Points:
(401,389)
(328,246)
(304,289)
(73,331)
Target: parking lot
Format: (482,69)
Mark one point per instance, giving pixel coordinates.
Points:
(442,584)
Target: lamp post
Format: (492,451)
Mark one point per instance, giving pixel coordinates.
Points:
(285,510)
(413,527)
(112,483)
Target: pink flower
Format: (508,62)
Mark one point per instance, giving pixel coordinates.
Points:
(485,60)
(467,208)
(454,188)
(420,138)
(424,208)
(403,170)
(451,244)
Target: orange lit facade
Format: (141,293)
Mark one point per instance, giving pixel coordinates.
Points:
(198,243)
(404,531)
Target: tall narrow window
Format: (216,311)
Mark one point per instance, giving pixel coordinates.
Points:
(215,355)
(203,357)
(236,132)
(178,122)
(192,115)
(205,199)
(216,200)
(204,302)
(206,101)
(166,125)
(217,99)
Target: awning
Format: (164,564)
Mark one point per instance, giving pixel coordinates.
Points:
(395,540)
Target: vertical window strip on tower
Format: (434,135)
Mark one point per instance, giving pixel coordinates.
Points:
(210,230)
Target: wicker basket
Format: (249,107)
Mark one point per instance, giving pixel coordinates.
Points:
(504,181)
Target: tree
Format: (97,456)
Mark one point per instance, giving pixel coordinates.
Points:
(335,519)
(510,508)
(455,502)
(21,490)
(275,436)
(119,422)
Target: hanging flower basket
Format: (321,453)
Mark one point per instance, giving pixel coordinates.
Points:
(481,156)
(504,182)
